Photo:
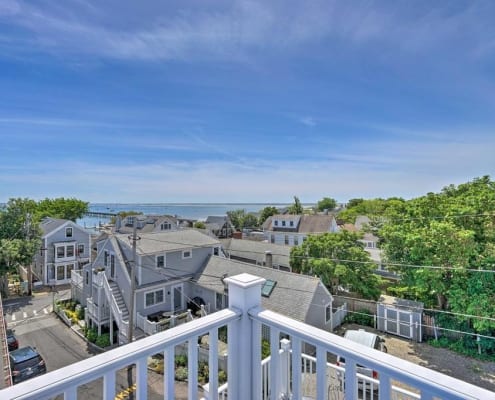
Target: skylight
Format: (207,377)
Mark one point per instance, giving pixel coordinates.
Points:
(267,288)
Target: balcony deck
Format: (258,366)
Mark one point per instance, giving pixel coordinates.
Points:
(283,377)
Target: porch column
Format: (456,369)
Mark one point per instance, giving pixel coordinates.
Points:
(111,327)
(244,293)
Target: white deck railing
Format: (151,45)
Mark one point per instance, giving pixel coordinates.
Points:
(76,278)
(284,374)
(173,320)
(101,314)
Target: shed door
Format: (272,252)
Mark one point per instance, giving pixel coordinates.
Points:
(399,322)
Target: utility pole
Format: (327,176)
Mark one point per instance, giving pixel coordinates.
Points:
(133,281)
(29,266)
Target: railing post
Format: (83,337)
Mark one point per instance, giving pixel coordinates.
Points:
(244,294)
(285,367)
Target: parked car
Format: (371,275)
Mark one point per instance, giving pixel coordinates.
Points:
(12,341)
(26,363)
(366,339)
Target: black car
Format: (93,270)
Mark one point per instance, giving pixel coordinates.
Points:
(26,363)
(12,340)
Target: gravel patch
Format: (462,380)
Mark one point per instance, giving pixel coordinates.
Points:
(479,373)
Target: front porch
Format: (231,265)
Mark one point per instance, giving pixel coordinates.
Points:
(284,376)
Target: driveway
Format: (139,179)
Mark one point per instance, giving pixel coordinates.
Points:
(479,373)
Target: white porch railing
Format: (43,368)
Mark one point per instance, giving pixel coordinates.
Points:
(245,370)
(101,314)
(76,278)
(151,327)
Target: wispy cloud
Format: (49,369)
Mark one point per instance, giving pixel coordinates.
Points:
(308,121)
(229,31)
(395,168)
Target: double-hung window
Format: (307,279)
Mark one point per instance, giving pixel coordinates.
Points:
(153,298)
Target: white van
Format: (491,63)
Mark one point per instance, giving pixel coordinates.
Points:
(366,339)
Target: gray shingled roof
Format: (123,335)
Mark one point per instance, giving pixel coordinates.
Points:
(316,223)
(213,219)
(151,222)
(150,243)
(292,296)
(49,224)
(255,250)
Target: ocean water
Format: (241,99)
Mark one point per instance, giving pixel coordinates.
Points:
(197,211)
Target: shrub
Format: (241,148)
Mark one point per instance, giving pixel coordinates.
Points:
(103,340)
(181,360)
(91,335)
(360,317)
(80,314)
(203,372)
(181,373)
(222,376)
(265,349)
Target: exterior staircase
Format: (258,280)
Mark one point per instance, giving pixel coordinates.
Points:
(119,300)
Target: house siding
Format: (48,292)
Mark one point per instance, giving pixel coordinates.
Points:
(46,265)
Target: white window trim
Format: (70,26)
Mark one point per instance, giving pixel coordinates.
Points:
(154,297)
(79,253)
(184,257)
(65,257)
(71,231)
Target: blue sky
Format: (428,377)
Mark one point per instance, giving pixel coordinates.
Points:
(244,101)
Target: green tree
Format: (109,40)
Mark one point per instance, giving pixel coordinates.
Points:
(326,203)
(372,208)
(338,259)
(266,213)
(237,218)
(71,209)
(19,234)
(250,221)
(297,207)
(454,232)
(199,225)
(354,202)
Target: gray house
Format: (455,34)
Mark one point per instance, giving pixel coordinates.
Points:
(220,226)
(292,230)
(65,247)
(165,263)
(301,297)
(146,223)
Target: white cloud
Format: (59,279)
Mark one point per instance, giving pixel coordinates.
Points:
(308,121)
(228,31)
(394,168)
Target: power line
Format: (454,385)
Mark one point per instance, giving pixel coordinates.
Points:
(188,245)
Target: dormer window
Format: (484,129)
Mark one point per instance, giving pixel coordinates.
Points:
(283,223)
(68,232)
(166,226)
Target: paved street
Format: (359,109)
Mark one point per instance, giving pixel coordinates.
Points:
(36,325)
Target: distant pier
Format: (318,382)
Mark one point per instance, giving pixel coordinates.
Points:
(99,214)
